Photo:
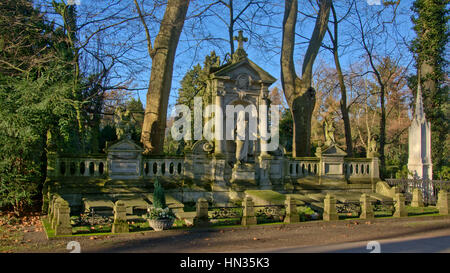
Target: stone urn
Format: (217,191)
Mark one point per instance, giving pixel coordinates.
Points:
(160,224)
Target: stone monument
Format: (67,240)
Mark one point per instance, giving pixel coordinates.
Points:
(419,156)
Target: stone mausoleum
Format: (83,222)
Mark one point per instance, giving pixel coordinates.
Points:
(222,171)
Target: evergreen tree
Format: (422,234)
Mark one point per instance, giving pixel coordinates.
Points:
(159,197)
(430,24)
(35,115)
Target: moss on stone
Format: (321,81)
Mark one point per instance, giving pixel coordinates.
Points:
(264,197)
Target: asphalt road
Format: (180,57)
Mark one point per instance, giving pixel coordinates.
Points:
(430,242)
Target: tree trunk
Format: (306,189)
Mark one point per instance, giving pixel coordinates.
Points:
(382,132)
(231,28)
(163,55)
(299,93)
(343,105)
(343,102)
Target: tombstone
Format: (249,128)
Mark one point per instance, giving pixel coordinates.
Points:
(331,162)
(291,211)
(201,217)
(120,224)
(366,207)
(443,203)
(329,208)
(248,213)
(56,204)
(63,226)
(417,198)
(51,207)
(124,160)
(400,209)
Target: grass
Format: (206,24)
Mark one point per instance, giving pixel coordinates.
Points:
(271,197)
(143,226)
(103,229)
(412,211)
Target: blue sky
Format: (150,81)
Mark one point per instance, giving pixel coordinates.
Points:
(192,50)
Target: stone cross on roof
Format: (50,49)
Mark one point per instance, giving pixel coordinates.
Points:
(241,39)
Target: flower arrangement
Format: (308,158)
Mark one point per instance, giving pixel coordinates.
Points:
(159,216)
(160,213)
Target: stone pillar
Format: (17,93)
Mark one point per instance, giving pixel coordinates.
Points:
(263,141)
(50,206)
(374,172)
(219,123)
(248,214)
(264,173)
(329,208)
(120,224)
(417,199)
(366,207)
(55,211)
(86,168)
(63,226)
(443,203)
(52,209)
(400,209)
(201,217)
(291,211)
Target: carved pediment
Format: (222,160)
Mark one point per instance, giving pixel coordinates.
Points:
(243,70)
(125,145)
(202,147)
(333,150)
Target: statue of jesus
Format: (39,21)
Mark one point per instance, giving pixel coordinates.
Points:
(242,146)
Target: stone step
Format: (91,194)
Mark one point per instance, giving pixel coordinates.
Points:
(317,196)
(380,197)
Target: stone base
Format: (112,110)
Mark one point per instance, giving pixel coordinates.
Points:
(61,230)
(330,216)
(400,213)
(243,173)
(198,222)
(367,215)
(292,218)
(121,227)
(248,220)
(417,204)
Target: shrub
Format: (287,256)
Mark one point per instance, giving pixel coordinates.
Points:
(159,198)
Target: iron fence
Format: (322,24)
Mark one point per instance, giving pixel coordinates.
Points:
(226,212)
(348,207)
(429,188)
(273,213)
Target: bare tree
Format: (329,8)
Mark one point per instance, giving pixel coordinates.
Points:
(334,48)
(299,92)
(370,31)
(162,53)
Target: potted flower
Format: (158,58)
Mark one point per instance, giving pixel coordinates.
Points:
(160,219)
(160,216)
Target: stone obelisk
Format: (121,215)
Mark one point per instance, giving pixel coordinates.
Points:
(419,156)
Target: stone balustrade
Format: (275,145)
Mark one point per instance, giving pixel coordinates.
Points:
(96,167)
(81,166)
(351,168)
(163,167)
(299,167)
(354,168)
